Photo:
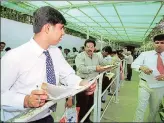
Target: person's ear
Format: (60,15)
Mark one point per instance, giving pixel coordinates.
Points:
(46,28)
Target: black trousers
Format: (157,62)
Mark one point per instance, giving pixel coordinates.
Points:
(105,83)
(129,72)
(85,102)
(48,119)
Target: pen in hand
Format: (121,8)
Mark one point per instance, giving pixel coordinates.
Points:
(37,88)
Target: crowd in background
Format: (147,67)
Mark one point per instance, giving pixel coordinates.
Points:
(89,61)
(120,53)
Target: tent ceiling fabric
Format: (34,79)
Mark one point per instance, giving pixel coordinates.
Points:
(118,21)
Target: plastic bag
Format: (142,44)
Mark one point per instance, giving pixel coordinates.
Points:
(70,115)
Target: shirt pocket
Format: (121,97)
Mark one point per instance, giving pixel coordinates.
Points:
(32,74)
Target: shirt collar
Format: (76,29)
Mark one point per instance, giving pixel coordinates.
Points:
(88,55)
(162,54)
(36,48)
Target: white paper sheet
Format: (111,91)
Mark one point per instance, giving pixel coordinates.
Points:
(152,82)
(59,92)
(108,66)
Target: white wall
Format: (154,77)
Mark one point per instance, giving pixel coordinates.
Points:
(15,33)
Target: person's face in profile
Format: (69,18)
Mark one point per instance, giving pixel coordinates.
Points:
(159,46)
(55,33)
(105,54)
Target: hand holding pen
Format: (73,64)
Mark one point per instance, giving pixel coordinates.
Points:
(36,99)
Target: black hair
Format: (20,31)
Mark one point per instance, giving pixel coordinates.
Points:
(44,15)
(68,50)
(74,49)
(90,41)
(107,49)
(119,50)
(60,47)
(7,49)
(159,37)
(82,47)
(3,43)
(97,51)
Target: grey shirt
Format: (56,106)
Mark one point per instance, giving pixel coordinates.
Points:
(86,66)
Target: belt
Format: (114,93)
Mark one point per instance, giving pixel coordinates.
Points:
(143,79)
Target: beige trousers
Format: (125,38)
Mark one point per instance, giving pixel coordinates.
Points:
(147,96)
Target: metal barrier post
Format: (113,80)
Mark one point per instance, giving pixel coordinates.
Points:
(95,103)
(122,83)
(125,69)
(117,83)
(99,97)
(124,66)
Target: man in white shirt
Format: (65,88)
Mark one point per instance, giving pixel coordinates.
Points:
(25,68)
(66,53)
(150,63)
(105,55)
(129,59)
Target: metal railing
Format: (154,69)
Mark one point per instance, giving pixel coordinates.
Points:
(97,116)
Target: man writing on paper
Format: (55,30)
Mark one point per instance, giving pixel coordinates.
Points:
(88,65)
(33,63)
(151,63)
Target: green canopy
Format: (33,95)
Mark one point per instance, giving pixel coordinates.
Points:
(117,21)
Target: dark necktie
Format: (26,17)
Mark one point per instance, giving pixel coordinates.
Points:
(50,73)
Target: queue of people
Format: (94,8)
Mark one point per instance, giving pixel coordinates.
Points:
(35,62)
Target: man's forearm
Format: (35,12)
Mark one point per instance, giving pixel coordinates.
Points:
(88,69)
